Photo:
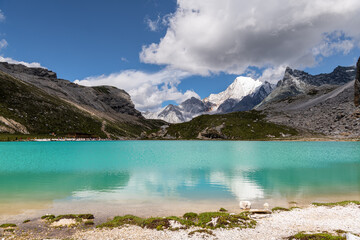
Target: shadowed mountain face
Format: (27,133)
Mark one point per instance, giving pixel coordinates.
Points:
(34,101)
(357,85)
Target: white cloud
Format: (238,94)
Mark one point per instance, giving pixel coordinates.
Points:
(334,43)
(2,16)
(3,44)
(124,59)
(10,60)
(147,90)
(241,187)
(273,74)
(154,24)
(212,36)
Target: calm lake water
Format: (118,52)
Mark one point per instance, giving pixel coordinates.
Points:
(131,171)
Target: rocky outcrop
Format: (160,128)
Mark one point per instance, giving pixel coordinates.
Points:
(212,133)
(18,68)
(11,126)
(339,76)
(357,85)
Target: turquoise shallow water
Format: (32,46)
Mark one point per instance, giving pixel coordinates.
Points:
(191,170)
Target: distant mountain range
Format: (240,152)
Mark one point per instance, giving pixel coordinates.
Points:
(34,102)
(313,105)
(245,94)
(242,95)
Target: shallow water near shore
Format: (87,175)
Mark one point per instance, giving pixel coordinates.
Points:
(144,177)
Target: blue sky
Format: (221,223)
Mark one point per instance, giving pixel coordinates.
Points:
(181,48)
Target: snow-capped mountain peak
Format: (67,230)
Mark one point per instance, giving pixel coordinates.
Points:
(241,87)
(242,95)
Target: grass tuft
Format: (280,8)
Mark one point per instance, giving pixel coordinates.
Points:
(89,223)
(48,217)
(280,209)
(7,225)
(316,236)
(222,210)
(343,203)
(190,216)
(206,231)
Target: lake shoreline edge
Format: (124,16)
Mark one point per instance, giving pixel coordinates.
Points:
(280,223)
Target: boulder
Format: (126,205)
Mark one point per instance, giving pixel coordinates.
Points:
(245,205)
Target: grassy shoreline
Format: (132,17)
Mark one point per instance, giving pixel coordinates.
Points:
(208,224)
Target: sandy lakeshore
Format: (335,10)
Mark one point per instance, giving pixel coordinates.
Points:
(278,225)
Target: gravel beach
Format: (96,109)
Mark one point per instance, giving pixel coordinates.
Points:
(275,226)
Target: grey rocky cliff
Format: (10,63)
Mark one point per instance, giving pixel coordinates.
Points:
(329,112)
(296,82)
(103,101)
(357,85)
(320,104)
(195,106)
(19,68)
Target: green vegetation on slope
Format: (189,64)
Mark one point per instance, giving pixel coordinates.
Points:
(42,114)
(133,130)
(238,125)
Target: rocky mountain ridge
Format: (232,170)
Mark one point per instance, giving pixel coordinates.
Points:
(245,94)
(30,94)
(242,95)
(321,104)
(107,101)
(297,82)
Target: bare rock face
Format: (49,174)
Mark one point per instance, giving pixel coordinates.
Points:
(357,85)
(18,68)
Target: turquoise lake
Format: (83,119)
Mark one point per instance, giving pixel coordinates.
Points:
(131,171)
